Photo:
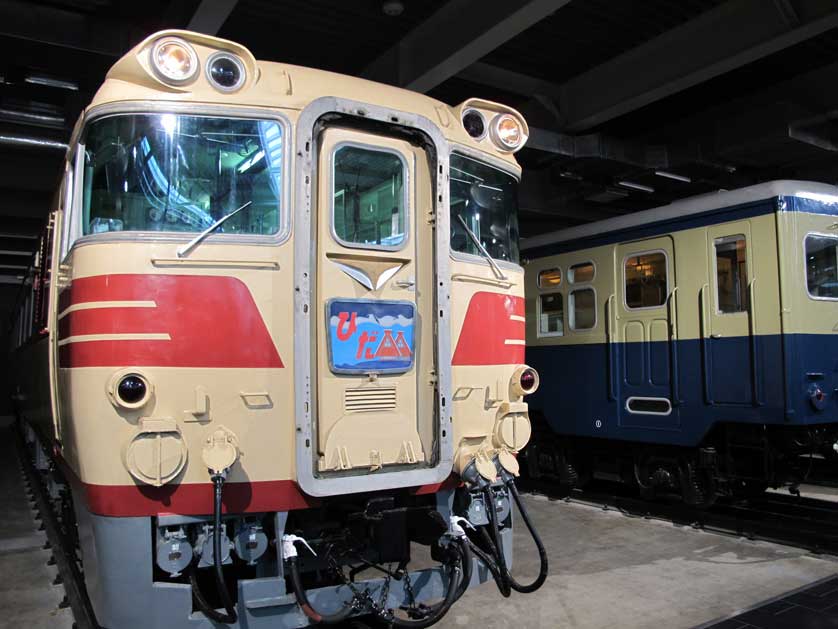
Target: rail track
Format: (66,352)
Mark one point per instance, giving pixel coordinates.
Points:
(799,521)
(59,536)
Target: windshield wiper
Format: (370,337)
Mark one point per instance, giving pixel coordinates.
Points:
(183,251)
(495,268)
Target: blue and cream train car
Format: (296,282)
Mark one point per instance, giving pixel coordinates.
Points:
(691,348)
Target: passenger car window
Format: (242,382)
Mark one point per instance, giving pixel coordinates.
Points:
(369,201)
(646,280)
(582,307)
(549,278)
(178,173)
(731,274)
(580,273)
(550,315)
(822,266)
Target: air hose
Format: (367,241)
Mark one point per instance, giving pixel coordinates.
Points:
(542,553)
(289,553)
(230,616)
(456,586)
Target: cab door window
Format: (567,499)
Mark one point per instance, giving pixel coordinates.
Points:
(369,202)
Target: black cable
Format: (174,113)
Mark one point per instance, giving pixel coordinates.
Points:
(451,594)
(302,599)
(230,616)
(491,564)
(542,553)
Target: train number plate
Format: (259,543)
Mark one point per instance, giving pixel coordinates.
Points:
(367,336)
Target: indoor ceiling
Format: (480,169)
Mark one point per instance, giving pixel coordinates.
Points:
(633,103)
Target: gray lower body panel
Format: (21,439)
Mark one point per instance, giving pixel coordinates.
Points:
(118,558)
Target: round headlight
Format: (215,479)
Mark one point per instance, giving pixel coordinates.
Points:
(225,71)
(174,60)
(474,124)
(129,390)
(507,132)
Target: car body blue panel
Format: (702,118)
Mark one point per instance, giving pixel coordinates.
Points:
(574,392)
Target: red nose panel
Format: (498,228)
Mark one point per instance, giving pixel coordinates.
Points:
(162,320)
(493,331)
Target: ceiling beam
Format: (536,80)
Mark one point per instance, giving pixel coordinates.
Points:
(66,29)
(210,16)
(728,37)
(453,38)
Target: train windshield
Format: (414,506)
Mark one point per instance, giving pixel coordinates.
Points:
(487,201)
(178,173)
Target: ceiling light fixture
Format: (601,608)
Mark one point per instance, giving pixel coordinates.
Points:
(47,81)
(393,8)
(669,175)
(635,186)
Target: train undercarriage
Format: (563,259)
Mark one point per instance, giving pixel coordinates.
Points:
(736,460)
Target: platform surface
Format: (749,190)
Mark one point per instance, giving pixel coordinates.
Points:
(27,597)
(609,570)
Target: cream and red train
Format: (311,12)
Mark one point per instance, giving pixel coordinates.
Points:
(277,342)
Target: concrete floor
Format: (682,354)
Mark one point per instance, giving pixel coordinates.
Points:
(609,570)
(27,597)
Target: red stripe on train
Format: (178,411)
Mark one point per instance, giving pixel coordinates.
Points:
(195,498)
(211,322)
(487,330)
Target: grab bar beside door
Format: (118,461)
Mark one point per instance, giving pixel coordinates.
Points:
(609,345)
(673,346)
(752,324)
(705,345)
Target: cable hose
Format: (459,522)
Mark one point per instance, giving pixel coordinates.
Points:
(490,563)
(542,553)
(308,609)
(452,593)
(230,616)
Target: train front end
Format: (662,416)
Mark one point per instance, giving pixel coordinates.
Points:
(286,343)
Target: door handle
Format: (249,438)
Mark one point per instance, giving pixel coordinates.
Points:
(715,336)
(405,283)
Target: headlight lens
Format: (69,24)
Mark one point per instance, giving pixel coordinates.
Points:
(474,123)
(225,71)
(529,380)
(507,132)
(524,381)
(174,60)
(132,389)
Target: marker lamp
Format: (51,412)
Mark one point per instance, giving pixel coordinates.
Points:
(174,60)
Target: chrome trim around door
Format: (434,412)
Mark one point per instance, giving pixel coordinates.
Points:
(305,257)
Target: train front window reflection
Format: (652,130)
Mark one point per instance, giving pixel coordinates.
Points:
(822,266)
(487,200)
(178,173)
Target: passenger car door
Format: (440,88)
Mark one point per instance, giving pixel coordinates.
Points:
(645,364)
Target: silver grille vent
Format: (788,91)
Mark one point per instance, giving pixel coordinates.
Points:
(369,399)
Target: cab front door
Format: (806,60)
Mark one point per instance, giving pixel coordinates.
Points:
(374,332)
